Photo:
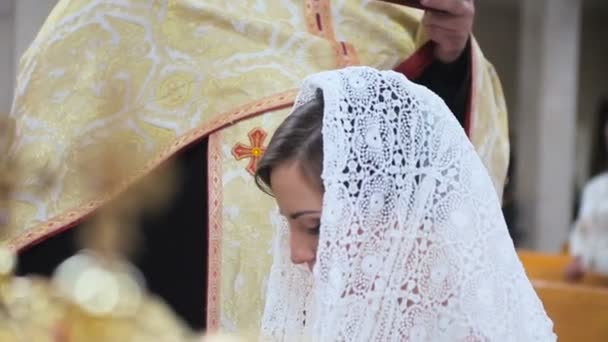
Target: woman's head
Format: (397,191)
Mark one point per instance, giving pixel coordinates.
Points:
(408,208)
(291,172)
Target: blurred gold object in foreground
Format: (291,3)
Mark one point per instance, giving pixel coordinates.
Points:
(95,295)
(89,299)
(108,301)
(30,310)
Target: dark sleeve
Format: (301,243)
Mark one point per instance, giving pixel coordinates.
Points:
(451,82)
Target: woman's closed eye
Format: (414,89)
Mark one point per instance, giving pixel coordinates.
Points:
(314,230)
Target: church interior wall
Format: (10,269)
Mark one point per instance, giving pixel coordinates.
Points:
(593,84)
(497,30)
(6,63)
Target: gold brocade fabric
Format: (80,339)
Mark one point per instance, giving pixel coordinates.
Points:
(157,74)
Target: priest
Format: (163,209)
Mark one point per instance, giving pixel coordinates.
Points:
(203,84)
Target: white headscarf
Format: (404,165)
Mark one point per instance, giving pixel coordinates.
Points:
(413,245)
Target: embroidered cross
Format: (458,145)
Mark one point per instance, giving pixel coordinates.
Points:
(254,152)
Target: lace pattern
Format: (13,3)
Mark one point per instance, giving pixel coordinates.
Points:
(413,244)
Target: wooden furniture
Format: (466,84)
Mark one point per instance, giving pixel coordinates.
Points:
(579,312)
(541,266)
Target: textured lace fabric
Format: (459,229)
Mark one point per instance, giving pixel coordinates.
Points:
(413,245)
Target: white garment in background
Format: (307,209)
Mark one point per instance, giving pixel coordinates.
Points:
(589,239)
(413,245)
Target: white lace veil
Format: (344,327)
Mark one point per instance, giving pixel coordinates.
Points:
(413,245)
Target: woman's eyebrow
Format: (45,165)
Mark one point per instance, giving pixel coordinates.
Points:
(302,213)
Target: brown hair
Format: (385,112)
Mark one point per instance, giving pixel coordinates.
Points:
(298,139)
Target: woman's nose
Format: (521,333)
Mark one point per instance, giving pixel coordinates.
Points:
(302,252)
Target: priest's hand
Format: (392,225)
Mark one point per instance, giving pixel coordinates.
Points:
(449,23)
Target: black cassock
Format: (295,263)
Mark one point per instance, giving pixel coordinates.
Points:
(173,259)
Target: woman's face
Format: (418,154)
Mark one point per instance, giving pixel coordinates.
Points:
(300,203)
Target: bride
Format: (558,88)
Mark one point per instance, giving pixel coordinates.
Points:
(392,230)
